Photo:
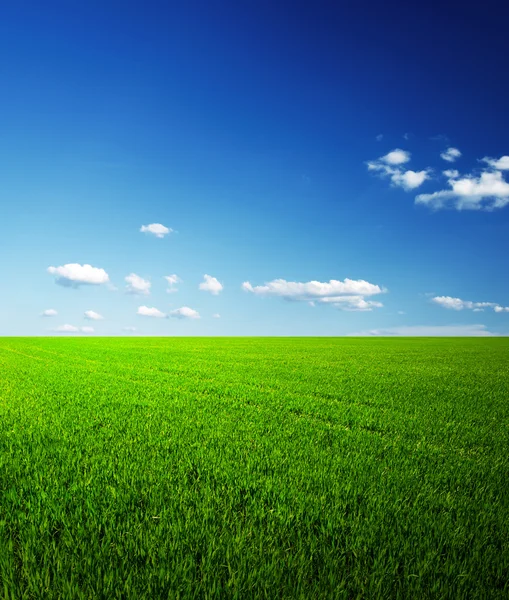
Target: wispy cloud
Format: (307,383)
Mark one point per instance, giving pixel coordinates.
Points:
(137,285)
(431,331)
(172,281)
(74,275)
(73,329)
(49,312)
(156,229)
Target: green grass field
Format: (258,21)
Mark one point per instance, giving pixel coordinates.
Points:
(254,468)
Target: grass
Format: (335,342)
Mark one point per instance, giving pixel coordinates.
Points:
(254,468)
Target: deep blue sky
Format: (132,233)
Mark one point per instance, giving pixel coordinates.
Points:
(247,127)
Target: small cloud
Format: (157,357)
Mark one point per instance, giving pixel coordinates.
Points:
(129,329)
(185,313)
(451,173)
(379,137)
(450,155)
(396,157)
(431,331)
(172,280)
(49,312)
(156,229)
(406,136)
(91,315)
(211,284)
(216,316)
(145,311)
(74,275)
(500,309)
(67,328)
(72,329)
(459,304)
(137,285)
(409,180)
(401,312)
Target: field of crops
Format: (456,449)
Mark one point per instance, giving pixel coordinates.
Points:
(254,468)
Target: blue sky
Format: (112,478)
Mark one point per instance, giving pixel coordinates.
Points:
(293,155)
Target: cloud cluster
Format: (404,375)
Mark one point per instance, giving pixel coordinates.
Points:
(459,304)
(156,229)
(74,275)
(211,284)
(486,190)
(137,285)
(390,166)
(345,295)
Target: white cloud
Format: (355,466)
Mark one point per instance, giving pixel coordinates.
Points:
(346,295)
(486,191)
(156,229)
(185,313)
(211,284)
(409,180)
(451,173)
(431,331)
(145,311)
(67,328)
(312,290)
(499,309)
(137,285)
(216,316)
(172,280)
(451,154)
(74,274)
(130,329)
(390,166)
(500,164)
(72,329)
(459,304)
(91,315)
(396,157)
(49,312)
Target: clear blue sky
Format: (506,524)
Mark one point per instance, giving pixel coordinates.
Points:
(296,142)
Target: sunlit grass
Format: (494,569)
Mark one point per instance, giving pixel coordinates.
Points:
(254,468)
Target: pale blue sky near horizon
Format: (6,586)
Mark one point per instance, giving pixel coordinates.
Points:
(279,147)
